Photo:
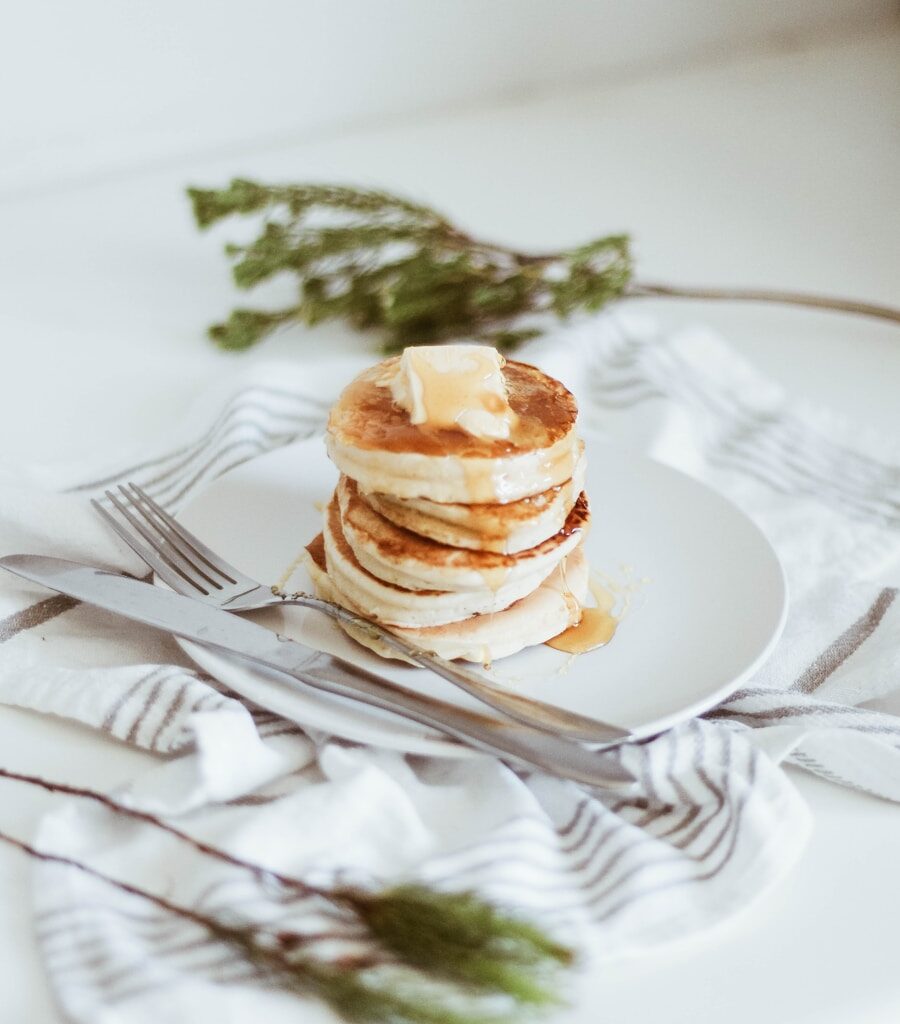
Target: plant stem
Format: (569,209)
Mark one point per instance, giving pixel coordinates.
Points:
(271,951)
(419,994)
(133,890)
(147,818)
(454,937)
(382,262)
(642,290)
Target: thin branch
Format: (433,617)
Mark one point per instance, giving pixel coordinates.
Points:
(418,993)
(454,937)
(261,873)
(640,290)
(448,284)
(133,890)
(272,951)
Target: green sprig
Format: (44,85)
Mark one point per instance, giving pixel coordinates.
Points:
(430,957)
(382,262)
(369,990)
(465,940)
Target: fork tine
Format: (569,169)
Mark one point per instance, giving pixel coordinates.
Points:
(171,558)
(150,555)
(167,540)
(197,547)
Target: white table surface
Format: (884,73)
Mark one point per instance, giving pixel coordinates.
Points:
(781,169)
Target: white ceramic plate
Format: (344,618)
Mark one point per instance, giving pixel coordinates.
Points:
(707,598)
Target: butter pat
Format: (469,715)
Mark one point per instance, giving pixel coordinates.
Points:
(457,387)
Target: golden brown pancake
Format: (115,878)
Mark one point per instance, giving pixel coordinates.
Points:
(394,605)
(409,560)
(372,440)
(365,416)
(544,613)
(506,529)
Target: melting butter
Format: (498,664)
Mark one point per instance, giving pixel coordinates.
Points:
(457,387)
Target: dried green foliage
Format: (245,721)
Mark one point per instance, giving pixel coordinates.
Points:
(381,262)
(465,940)
(440,959)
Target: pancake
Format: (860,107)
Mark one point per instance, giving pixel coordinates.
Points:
(372,441)
(393,605)
(506,529)
(407,560)
(459,517)
(544,613)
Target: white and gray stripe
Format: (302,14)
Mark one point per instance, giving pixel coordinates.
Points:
(713,818)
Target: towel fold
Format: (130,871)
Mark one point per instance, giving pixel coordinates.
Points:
(714,820)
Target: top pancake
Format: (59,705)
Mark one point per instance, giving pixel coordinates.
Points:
(372,440)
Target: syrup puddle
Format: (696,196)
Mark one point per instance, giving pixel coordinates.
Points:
(598,625)
(596,628)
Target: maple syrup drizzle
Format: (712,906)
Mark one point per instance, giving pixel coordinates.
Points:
(289,572)
(495,577)
(479,480)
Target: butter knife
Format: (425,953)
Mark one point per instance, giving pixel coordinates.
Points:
(518,744)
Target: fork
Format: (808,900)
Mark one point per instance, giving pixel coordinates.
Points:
(192,569)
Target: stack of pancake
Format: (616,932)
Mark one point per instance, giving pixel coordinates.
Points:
(469,546)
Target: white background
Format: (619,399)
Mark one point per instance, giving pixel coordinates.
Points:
(99,84)
(754,144)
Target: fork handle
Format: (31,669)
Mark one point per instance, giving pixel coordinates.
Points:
(513,742)
(527,710)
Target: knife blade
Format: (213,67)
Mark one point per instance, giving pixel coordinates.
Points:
(287,659)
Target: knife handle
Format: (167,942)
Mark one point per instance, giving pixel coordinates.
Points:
(518,744)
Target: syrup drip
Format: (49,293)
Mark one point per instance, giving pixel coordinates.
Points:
(595,629)
(289,571)
(494,578)
(479,480)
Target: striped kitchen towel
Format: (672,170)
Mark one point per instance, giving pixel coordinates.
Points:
(712,822)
